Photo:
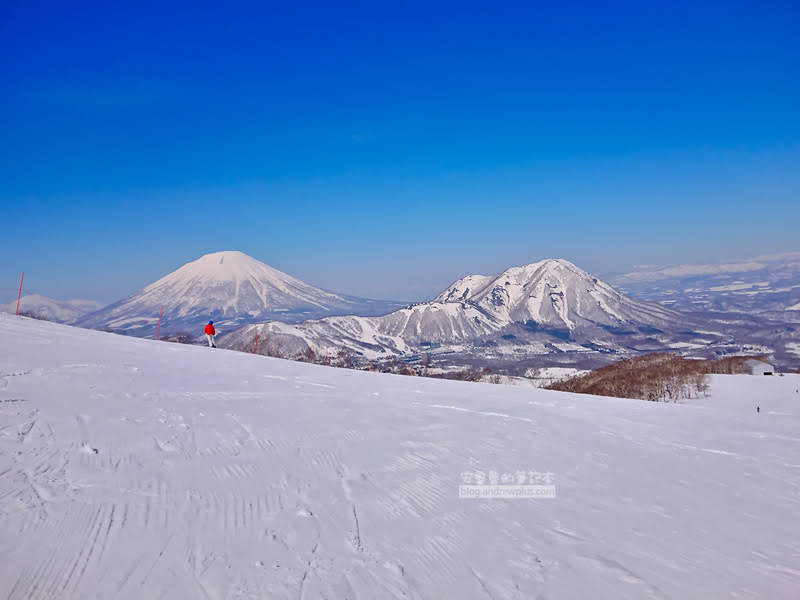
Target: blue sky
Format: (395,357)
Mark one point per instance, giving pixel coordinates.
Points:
(385,149)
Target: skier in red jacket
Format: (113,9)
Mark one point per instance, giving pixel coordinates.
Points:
(210,333)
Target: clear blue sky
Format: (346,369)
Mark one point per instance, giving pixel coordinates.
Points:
(384,149)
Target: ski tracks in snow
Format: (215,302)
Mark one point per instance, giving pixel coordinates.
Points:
(130,478)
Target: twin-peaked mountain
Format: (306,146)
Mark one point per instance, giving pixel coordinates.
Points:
(544,307)
(555,294)
(230,288)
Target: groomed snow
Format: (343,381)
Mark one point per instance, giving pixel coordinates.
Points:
(139,469)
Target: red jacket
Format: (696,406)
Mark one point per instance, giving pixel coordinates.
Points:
(210,329)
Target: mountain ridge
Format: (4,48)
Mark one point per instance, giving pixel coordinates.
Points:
(543,306)
(58,311)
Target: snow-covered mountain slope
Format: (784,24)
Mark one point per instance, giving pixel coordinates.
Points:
(60,311)
(545,302)
(231,288)
(555,293)
(400,332)
(135,469)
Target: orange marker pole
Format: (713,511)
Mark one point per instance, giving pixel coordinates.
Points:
(160,314)
(19,296)
(255,350)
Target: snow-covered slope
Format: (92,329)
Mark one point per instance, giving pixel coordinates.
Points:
(135,469)
(548,301)
(230,288)
(400,332)
(60,311)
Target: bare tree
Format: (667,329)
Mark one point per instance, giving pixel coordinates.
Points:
(343,359)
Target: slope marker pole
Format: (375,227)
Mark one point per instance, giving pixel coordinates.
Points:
(255,350)
(19,296)
(160,314)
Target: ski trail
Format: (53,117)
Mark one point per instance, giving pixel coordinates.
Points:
(26,428)
(479,412)
(222,475)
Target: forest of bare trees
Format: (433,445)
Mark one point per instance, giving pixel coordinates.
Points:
(656,377)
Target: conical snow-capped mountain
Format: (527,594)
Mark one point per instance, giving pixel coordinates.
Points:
(548,305)
(554,293)
(230,288)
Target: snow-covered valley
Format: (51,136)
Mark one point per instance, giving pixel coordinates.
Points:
(767,285)
(132,468)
